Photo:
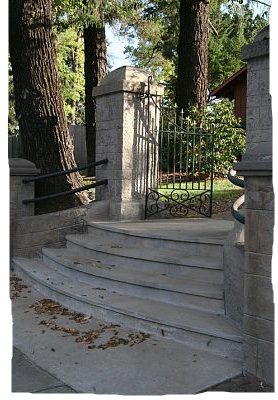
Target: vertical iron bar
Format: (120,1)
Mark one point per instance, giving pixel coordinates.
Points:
(181,128)
(148,138)
(200,150)
(161,143)
(154,145)
(168,154)
(193,154)
(174,149)
(187,151)
(207,137)
(212,166)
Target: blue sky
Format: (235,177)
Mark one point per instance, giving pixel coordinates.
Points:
(117,43)
(115,49)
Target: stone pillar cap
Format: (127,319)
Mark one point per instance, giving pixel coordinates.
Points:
(126,73)
(22,167)
(259,47)
(126,79)
(262,34)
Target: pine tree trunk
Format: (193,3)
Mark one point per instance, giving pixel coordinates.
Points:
(95,65)
(38,98)
(192,54)
(75,68)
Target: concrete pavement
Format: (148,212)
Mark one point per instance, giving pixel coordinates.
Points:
(29,377)
(93,356)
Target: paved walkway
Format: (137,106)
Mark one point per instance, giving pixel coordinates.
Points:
(91,356)
(242,383)
(28,377)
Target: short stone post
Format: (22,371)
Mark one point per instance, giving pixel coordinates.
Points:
(256,167)
(122,135)
(20,169)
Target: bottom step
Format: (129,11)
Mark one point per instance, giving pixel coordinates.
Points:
(196,328)
(156,366)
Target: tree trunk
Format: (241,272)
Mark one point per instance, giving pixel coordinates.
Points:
(95,65)
(38,98)
(192,76)
(75,68)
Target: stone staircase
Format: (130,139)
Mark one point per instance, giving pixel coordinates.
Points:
(161,277)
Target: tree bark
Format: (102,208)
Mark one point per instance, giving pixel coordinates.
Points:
(191,89)
(38,98)
(95,66)
(75,67)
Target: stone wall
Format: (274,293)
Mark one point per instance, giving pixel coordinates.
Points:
(20,169)
(234,255)
(31,233)
(123,136)
(256,167)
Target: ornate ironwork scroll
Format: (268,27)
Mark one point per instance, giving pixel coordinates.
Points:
(182,163)
(178,203)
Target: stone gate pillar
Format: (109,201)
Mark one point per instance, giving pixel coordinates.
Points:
(122,136)
(256,167)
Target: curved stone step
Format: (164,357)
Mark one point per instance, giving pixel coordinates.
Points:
(196,328)
(193,236)
(169,261)
(152,285)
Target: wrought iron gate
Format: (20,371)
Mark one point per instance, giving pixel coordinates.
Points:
(180,155)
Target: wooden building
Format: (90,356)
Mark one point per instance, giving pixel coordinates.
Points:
(234,88)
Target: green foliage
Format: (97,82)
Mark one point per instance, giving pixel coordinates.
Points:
(69,19)
(155,30)
(70,58)
(229,136)
(81,13)
(13,128)
(236,26)
(153,38)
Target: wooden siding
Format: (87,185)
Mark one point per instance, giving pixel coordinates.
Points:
(235,88)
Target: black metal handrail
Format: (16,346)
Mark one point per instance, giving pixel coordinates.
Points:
(65,172)
(235,213)
(234,210)
(235,179)
(66,193)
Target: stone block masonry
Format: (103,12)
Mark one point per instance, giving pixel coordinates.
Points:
(123,136)
(256,167)
(29,232)
(20,169)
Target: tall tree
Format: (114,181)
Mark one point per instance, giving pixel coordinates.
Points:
(38,99)
(95,68)
(91,16)
(235,25)
(192,70)
(70,58)
(231,26)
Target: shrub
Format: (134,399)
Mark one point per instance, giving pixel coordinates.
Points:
(229,134)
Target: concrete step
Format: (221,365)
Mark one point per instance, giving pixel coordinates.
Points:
(171,289)
(155,367)
(194,237)
(164,260)
(197,328)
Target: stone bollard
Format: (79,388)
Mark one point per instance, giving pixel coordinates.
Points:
(123,121)
(256,167)
(20,169)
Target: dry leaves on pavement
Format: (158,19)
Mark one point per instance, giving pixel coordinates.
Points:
(16,286)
